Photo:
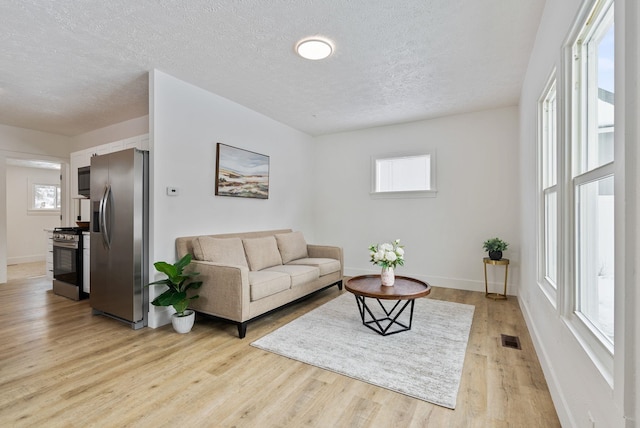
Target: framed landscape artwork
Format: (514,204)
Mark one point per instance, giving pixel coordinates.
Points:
(241,173)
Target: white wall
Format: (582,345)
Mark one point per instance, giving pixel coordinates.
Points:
(23,143)
(630,246)
(25,237)
(579,390)
(31,143)
(111,133)
(186,124)
(477,180)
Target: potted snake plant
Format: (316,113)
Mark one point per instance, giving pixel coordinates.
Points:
(178,282)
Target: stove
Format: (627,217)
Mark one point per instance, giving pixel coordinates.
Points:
(67,262)
(71,230)
(67,234)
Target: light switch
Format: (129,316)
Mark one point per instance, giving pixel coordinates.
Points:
(173,191)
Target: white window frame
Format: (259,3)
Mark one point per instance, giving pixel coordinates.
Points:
(548,164)
(430,193)
(595,345)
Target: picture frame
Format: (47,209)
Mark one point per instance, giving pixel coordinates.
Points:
(241,173)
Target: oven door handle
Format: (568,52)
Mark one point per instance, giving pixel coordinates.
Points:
(106,236)
(71,245)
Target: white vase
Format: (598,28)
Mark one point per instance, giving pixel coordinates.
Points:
(185,323)
(387,276)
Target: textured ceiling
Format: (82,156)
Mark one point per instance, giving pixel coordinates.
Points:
(71,66)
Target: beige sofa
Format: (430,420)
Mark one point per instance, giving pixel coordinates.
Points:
(247,275)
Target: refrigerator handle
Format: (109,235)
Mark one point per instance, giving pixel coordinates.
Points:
(106,236)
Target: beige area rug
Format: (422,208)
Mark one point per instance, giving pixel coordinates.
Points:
(424,362)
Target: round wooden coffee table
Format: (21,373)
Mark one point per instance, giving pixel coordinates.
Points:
(404,291)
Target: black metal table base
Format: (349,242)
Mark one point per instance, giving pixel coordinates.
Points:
(383,325)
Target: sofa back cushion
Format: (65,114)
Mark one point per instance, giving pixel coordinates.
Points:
(184,244)
(229,251)
(292,246)
(262,252)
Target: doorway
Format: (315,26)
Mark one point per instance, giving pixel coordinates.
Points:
(34,204)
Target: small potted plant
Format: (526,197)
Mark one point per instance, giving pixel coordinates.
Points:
(178,282)
(495,247)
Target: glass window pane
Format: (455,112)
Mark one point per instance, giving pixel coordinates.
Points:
(549,144)
(601,96)
(45,197)
(403,174)
(595,253)
(550,237)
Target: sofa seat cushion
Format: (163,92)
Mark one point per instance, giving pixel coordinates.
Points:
(262,252)
(299,274)
(326,266)
(229,251)
(292,246)
(264,283)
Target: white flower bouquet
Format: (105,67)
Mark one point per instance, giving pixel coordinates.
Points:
(387,255)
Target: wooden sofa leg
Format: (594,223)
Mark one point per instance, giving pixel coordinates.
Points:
(242,330)
(340,285)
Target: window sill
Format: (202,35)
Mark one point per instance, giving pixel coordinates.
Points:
(550,292)
(43,212)
(404,195)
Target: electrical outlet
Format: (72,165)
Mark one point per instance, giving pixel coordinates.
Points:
(173,191)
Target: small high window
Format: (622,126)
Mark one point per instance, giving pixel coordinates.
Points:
(404,176)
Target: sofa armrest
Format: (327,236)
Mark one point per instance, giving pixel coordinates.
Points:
(224,291)
(326,252)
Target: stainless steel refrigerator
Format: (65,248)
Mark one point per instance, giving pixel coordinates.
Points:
(120,235)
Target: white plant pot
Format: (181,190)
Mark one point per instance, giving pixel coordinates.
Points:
(185,323)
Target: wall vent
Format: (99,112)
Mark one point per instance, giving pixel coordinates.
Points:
(510,341)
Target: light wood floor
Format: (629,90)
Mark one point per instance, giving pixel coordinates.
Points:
(25,270)
(62,366)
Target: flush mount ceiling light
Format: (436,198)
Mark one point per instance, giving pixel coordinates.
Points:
(314,48)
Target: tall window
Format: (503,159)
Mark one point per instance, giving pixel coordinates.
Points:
(548,181)
(592,175)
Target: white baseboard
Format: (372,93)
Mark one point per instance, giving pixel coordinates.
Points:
(559,401)
(25,259)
